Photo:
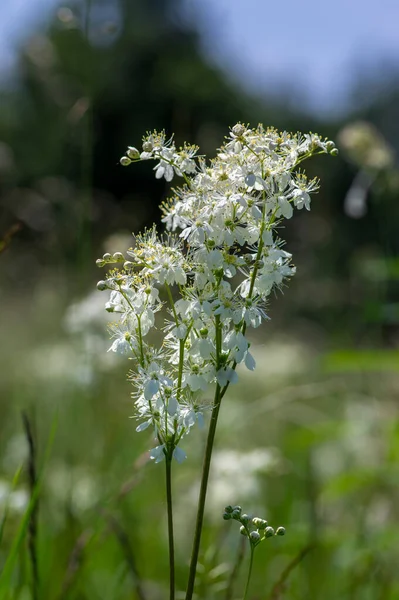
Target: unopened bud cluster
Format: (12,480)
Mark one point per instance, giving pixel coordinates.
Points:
(254,528)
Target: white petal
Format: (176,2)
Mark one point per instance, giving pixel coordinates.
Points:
(169,173)
(159,172)
(143,426)
(205,348)
(151,388)
(250,179)
(179,454)
(250,361)
(173,406)
(285,207)
(157,453)
(267,237)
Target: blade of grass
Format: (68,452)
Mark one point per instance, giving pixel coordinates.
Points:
(14,484)
(279,587)
(75,563)
(33,519)
(6,573)
(128,553)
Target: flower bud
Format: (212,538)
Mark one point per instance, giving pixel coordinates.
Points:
(147,146)
(254,536)
(236,514)
(127,264)
(106,256)
(118,257)
(243,531)
(280,531)
(238,129)
(269,532)
(226,516)
(334,152)
(228,509)
(245,519)
(125,161)
(330,146)
(259,523)
(132,152)
(100,262)
(101,286)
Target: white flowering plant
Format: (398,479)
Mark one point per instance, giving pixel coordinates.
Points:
(219,261)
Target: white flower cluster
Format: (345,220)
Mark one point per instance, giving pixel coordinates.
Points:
(224,264)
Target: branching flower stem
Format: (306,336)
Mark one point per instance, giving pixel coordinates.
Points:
(228,212)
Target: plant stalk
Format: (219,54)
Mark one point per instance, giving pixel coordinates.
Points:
(251,562)
(202,494)
(168,462)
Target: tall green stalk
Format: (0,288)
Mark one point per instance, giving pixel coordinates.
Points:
(168,462)
(202,494)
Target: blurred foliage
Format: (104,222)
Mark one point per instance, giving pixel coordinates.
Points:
(315,445)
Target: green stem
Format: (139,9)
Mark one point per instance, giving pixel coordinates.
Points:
(172,303)
(251,562)
(202,494)
(168,462)
(181,364)
(140,336)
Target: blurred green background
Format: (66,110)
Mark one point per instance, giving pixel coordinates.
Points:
(311,439)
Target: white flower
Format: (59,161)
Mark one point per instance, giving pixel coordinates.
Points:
(301,199)
(152,380)
(124,342)
(224,262)
(164,169)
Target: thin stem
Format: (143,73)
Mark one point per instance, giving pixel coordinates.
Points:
(251,562)
(168,462)
(140,336)
(202,494)
(172,304)
(181,364)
